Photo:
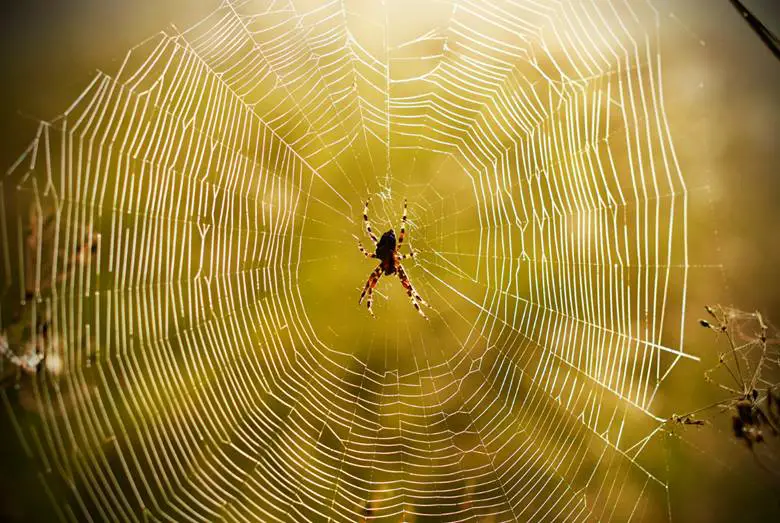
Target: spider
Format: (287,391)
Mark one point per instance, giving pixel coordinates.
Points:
(389,262)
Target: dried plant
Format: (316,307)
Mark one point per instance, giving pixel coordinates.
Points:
(29,343)
(747,372)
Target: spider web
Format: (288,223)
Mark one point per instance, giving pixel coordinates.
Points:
(211,361)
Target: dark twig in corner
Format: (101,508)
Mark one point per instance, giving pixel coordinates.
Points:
(768,37)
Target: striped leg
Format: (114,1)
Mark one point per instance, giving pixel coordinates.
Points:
(410,291)
(365,252)
(403,226)
(370,300)
(368,225)
(369,288)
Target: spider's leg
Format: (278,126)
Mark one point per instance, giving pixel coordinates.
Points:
(411,254)
(403,226)
(368,225)
(365,252)
(371,279)
(370,300)
(410,291)
(369,288)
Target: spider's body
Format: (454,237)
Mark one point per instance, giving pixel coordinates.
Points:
(386,251)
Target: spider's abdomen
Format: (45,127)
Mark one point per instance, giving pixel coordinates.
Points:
(385,247)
